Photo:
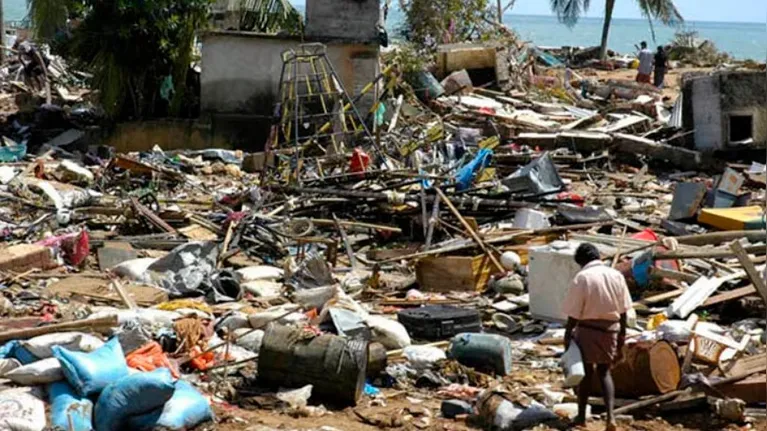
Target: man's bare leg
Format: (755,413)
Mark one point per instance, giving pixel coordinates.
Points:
(608,389)
(583,394)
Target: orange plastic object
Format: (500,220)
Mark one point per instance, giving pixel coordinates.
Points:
(202,362)
(150,357)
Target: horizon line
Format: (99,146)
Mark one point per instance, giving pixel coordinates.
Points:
(633,18)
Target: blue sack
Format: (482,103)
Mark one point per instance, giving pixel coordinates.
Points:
(89,373)
(465,175)
(14,349)
(130,396)
(65,404)
(185,410)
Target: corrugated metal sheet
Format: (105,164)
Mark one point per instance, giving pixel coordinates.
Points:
(676,112)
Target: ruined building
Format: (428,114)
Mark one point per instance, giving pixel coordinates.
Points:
(727,110)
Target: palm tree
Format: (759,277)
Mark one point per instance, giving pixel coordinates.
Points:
(48,17)
(568,12)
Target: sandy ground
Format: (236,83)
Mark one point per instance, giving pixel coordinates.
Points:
(672,82)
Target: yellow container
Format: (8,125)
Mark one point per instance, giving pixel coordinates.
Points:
(741,218)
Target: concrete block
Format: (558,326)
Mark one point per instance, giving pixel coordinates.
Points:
(23,257)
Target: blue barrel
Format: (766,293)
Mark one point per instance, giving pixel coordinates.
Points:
(487,352)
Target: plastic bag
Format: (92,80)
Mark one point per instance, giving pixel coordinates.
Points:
(388,332)
(14,349)
(186,270)
(91,372)
(261,272)
(74,247)
(130,396)
(21,410)
(314,298)
(233,321)
(296,398)
(75,341)
(146,316)
(149,358)
(8,364)
(135,269)
(262,288)
(572,366)
(68,408)
(261,319)
(252,341)
(422,357)
(37,373)
(185,410)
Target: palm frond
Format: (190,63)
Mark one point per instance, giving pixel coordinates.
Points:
(568,11)
(47,17)
(664,11)
(270,16)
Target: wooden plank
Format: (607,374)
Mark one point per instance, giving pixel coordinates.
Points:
(650,300)
(86,324)
(745,365)
(729,296)
(751,271)
(471,231)
(752,390)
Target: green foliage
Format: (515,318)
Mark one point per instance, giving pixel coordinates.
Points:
(408,58)
(569,11)
(429,22)
(48,17)
(270,16)
(131,46)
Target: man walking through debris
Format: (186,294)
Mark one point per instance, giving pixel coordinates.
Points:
(596,307)
(645,64)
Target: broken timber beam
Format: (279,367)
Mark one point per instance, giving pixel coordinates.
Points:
(681,157)
(750,269)
(713,238)
(704,254)
(23,334)
(469,229)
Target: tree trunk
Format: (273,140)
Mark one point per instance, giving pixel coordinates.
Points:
(2,33)
(609,6)
(500,12)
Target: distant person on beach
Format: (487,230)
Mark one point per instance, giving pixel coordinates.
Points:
(661,66)
(644,74)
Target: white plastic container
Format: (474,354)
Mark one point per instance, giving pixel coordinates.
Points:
(527,218)
(551,270)
(572,366)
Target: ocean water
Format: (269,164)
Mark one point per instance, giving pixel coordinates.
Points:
(14,10)
(741,40)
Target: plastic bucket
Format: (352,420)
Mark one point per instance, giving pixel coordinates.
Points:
(572,366)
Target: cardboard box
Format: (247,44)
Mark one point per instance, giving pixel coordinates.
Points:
(454,273)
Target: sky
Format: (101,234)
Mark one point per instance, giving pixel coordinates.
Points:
(691,10)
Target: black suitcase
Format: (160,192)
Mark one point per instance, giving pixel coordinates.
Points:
(439,322)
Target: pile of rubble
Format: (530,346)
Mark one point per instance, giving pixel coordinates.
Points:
(410,263)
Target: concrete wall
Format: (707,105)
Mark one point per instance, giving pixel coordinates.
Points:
(350,20)
(707,114)
(241,71)
(715,98)
(241,76)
